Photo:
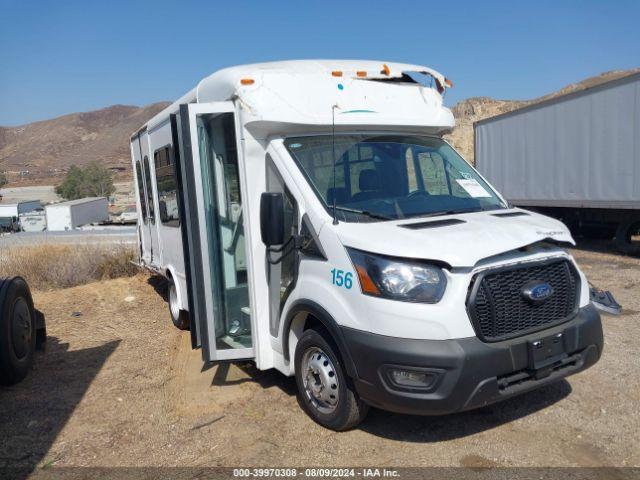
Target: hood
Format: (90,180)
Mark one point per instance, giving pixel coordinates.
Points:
(460,240)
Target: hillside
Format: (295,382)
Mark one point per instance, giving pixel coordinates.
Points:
(47,148)
(477,108)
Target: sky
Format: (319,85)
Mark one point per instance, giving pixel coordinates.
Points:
(58,57)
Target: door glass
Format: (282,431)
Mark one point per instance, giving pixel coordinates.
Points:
(225,232)
(282,274)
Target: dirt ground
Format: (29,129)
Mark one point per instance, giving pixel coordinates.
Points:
(119,386)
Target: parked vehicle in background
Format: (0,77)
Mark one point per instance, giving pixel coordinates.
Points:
(574,157)
(325,229)
(9,224)
(128,215)
(76,213)
(10,214)
(33,221)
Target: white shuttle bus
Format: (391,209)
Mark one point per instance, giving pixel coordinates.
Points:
(310,217)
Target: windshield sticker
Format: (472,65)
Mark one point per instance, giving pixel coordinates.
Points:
(473,188)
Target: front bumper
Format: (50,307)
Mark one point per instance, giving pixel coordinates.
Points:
(468,372)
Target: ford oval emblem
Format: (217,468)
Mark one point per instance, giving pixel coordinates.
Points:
(537,292)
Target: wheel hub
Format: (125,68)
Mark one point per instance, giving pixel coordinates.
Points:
(320,380)
(21,328)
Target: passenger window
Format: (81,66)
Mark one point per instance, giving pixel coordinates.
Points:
(147,181)
(140,182)
(167,186)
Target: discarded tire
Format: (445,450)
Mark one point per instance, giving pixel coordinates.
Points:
(18,327)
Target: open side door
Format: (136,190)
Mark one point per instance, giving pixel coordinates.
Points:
(213,230)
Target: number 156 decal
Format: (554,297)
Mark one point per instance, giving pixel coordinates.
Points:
(340,278)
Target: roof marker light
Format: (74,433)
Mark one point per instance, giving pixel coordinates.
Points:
(448,83)
(247,81)
(385,70)
(361,73)
(336,73)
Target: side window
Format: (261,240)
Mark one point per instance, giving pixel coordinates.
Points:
(143,200)
(167,186)
(147,181)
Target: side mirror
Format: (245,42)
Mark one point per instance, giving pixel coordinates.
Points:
(272,218)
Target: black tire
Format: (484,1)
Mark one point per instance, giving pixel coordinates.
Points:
(180,318)
(17,330)
(624,241)
(350,410)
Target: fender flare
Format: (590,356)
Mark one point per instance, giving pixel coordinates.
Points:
(312,308)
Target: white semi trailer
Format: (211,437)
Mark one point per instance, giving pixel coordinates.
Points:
(76,213)
(574,157)
(10,213)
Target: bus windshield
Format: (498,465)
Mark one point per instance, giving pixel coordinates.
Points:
(388,177)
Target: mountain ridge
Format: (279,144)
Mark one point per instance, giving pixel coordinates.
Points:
(47,148)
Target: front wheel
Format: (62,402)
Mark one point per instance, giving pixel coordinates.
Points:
(324,390)
(179,317)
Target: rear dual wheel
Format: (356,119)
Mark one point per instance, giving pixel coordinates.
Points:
(17,330)
(325,392)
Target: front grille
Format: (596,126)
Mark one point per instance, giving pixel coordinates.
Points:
(499,310)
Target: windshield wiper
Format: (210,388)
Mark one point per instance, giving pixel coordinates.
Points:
(366,213)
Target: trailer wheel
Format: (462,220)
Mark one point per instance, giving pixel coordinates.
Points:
(325,392)
(17,330)
(628,236)
(179,317)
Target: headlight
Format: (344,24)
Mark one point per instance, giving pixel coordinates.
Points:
(398,279)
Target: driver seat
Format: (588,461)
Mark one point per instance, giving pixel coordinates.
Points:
(369,184)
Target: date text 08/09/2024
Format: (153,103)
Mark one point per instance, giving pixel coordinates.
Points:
(315,472)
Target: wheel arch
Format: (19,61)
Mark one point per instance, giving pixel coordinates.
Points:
(298,319)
